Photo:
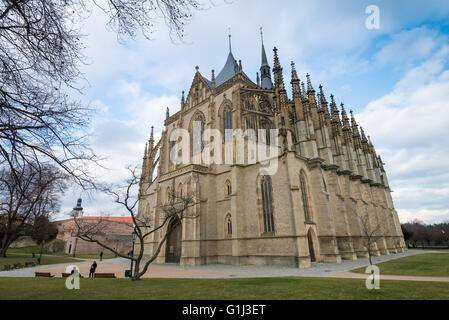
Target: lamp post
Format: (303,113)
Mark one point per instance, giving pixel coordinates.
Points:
(134,235)
(40,256)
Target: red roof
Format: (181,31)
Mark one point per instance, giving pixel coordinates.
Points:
(116,219)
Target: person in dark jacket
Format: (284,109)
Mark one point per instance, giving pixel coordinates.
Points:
(93,267)
(101,255)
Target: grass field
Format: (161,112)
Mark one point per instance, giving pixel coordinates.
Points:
(217,289)
(22,255)
(26,257)
(427,264)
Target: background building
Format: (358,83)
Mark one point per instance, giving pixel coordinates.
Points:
(116,232)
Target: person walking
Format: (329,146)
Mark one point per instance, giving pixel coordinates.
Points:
(93,267)
(101,256)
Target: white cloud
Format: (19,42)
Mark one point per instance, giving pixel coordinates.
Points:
(410,128)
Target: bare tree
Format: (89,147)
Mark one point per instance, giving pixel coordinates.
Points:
(25,196)
(40,53)
(369,234)
(128,16)
(171,216)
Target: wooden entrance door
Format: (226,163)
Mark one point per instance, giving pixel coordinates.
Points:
(173,247)
(311,249)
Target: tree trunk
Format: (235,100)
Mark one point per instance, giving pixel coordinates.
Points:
(5,245)
(135,272)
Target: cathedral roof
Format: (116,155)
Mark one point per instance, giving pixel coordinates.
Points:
(228,71)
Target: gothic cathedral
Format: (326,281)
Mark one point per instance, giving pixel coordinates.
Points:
(328,194)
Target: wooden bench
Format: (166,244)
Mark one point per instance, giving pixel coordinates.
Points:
(43,274)
(104,275)
(65,275)
(7,267)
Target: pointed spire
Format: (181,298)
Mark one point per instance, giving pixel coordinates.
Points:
(295,82)
(151,141)
(229,34)
(213,78)
(364,140)
(309,84)
(182,100)
(324,106)
(354,125)
(264,55)
(303,89)
(355,131)
(371,146)
(334,110)
(167,113)
(310,91)
(322,96)
(345,117)
(257,79)
(240,66)
(265,73)
(277,69)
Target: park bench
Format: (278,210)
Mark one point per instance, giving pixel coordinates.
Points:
(65,275)
(17,266)
(7,267)
(44,274)
(104,275)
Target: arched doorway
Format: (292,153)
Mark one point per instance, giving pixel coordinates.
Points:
(173,247)
(311,247)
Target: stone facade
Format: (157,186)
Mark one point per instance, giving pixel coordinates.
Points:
(328,178)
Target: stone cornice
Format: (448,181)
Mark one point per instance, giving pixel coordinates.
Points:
(183,170)
(355,176)
(314,162)
(331,166)
(344,172)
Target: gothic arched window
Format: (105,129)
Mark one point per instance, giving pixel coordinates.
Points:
(228,188)
(267,204)
(179,193)
(227,123)
(228,225)
(198,133)
(305,197)
(168,195)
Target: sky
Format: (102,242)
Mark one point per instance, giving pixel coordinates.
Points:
(395,79)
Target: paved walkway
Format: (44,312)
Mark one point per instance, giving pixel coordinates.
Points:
(119,265)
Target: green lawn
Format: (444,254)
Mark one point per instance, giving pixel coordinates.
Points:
(26,257)
(22,255)
(427,264)
(217,289)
